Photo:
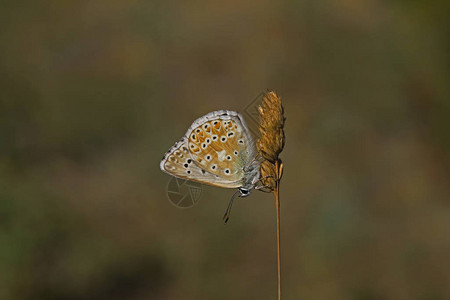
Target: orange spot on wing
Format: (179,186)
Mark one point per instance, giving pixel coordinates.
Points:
(217,125)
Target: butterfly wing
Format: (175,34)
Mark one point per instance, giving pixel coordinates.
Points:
(215,150)
(221,144)
(178,162)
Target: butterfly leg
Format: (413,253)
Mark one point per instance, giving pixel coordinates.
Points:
(249,164)
(264,189)
(261,187)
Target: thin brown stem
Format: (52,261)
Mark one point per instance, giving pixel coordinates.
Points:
(277,197)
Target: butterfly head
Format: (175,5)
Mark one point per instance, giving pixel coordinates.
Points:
(251,177)
(244,192)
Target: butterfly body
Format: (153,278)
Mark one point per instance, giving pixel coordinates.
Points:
(217,150)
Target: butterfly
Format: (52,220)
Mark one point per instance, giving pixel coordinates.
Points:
(217,150)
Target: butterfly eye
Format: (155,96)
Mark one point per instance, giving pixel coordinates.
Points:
(223,139)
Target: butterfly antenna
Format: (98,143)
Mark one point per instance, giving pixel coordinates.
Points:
(227,214)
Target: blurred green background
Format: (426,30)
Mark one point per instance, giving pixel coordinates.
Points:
(93,93)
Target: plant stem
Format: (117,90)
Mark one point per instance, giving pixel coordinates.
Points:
(277,197)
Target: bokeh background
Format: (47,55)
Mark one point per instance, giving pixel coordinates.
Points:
(93,93)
